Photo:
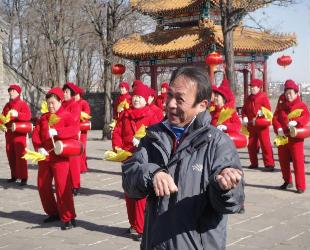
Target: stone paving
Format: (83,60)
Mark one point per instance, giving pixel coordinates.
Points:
(274,219)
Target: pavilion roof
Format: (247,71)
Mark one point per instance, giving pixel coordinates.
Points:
(169,43)
(166,7)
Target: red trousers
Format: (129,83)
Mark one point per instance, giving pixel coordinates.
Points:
(63,205)
(75,171)
(260,137)
(83,139)
(15,149)
(293,151)
(135,212)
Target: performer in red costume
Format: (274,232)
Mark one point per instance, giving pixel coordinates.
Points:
(84,107)
(127,125)
(158,114)
(120,103)
(251,113)
(16,142)
(161,99)
(291,112)
(71,106)
(55,167)
(224,100)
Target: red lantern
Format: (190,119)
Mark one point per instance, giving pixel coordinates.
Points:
(118,69)
(284,61)
(214,58)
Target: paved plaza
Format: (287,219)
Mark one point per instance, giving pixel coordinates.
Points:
(274,219)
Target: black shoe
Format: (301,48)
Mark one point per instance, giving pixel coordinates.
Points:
(299,191)
(73,223)
(66,225)
(139,237)
(269,169)
(241,211)
(23,182)
(51,218)
(252,167)
(11,180)
(75,191)
(286,185)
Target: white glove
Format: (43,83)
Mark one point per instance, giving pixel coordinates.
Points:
(280,132)
(222,127)
(13,113)
(292,124)
(52,132)
(135,141)
(42,151)
(245,121)
(260,113)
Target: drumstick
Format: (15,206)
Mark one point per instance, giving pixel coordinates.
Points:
(52,138)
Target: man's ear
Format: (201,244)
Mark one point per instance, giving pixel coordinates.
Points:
(203,105)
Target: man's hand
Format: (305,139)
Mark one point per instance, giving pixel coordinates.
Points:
(164,184)
(13,113)
(229,178)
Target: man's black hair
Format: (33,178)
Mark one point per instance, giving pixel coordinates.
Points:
(199,76)
(48,96)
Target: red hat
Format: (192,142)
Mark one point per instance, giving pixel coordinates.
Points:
(58,92)
(136,83)
(142,90)
(16,87)
(257,83)
(71,86)
(165,85)
(290,84)
(81,91)
(152,92)
(225,91)
(124,85)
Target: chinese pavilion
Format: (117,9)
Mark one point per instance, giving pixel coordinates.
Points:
(188,30)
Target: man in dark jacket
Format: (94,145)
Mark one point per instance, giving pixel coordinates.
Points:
(189,170)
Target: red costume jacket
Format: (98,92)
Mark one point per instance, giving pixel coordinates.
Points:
(120,99)
(21,107)
(72,107)
(161,101)
(254,103)
(158,113)
(127,125)
(280,118)
(66,129)
(233,123)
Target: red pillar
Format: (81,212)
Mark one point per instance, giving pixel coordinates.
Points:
(154,77)
(265,87)
(245,84)
(252,70)
(137,72)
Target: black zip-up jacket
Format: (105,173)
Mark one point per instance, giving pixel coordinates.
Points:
(196,216)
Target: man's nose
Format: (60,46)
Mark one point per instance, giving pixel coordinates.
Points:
(171,103)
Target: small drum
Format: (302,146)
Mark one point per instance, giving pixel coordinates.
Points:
(240,140)
(261,122)
(300,133)
(85,126)
(22,127)
(68,148)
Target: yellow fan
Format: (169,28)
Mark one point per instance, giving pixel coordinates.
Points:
(119,156)
(140,133)
(267,113)
(3,128)
(211,108)
(225,114)
(84,116)
(33,156)
(245,131)
(54,119)
(294,114)
(5,119)
(44,108)
(280,140)
(122,106)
